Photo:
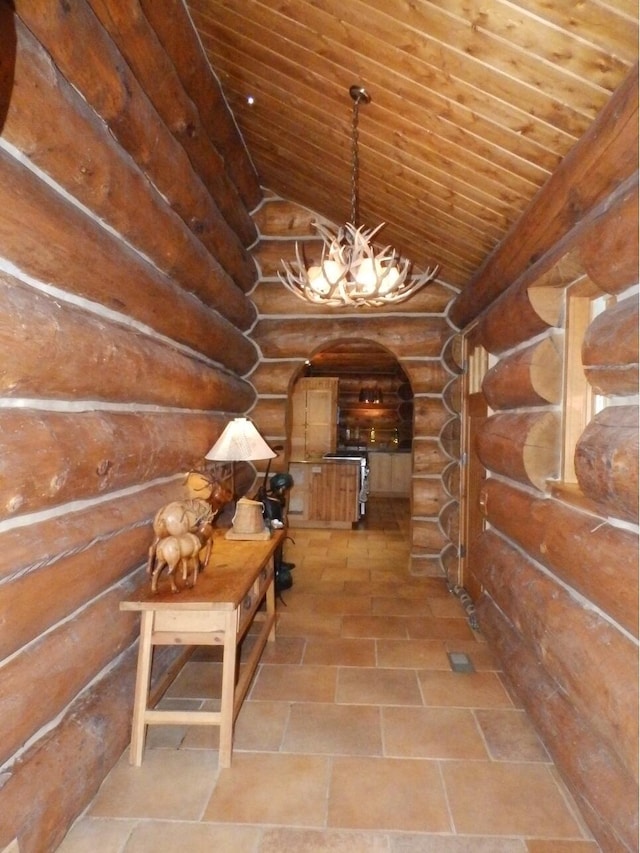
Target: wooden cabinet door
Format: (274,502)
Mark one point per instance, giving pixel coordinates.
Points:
(314,418)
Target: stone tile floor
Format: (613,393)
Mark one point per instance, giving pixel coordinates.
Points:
(356,734)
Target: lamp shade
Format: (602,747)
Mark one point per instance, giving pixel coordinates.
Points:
(240,442)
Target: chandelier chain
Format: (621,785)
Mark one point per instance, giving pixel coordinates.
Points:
(355,164)
(352,270)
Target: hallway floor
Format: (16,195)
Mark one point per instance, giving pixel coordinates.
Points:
(356,735)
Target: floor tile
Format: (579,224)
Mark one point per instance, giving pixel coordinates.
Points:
(179,837)
(271,788)
(201,679)
(339,652)
(99,834)
(480,654)
(416,654)
(439,629)
(463,690)
(455,844)
(170,784)
(387,793)
(374,626)
(510,736)
(507,799)
(364,686)
(295,683)
(556,845)
(325,841)
(333,729)
(308,624)
(431,733)
(397,606)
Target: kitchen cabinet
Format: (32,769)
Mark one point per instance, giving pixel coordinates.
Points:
(390,474)
(324,494)
(314,411)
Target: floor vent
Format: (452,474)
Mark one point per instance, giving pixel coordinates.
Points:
(459,662)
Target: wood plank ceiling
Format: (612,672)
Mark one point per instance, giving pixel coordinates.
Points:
(473,105)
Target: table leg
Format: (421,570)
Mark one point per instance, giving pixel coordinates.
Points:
(228,690)
(141,697)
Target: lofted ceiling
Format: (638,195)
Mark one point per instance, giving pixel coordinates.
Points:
(473,105)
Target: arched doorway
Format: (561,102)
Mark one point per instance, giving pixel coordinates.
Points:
(370,418)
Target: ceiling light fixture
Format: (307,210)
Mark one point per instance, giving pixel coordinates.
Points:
(352,271)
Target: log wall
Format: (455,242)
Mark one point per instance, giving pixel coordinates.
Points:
(558,558)
(289,331)
(125,262)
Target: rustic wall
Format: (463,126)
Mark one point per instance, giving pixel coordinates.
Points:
(558,559)
(124,267)
(289,330)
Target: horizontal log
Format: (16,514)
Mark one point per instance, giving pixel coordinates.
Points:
(427,497)
(607,458)
(276,377)
(608,245)
(530,377)
(351,384)
(49,458)
(429,415)
(63,536)
(603,566)
(38,227)
(450,438)
(610,350)
(107,181)
(426,535)
(70,763)
(535,301)
(451,479)
(426,376)
(450,561)
(404,336)
(48,349)
(110,88)
(283,219)
(593,663)
(270,416)
(513,319)
(606,793)
(523,447)
(32,602)
(452,395)
(96,635)
(428,456)
(180,40)
(604,157)
(453,355)
(449,520)
(425,564)
(157,76)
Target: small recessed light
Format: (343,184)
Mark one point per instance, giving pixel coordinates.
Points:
(251,100)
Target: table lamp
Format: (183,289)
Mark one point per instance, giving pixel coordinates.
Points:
(241,442)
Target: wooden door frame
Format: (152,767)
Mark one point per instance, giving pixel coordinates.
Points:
(472,472)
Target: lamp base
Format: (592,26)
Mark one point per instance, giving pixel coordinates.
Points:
(250,537)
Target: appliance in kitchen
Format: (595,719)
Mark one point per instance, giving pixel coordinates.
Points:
(362,457)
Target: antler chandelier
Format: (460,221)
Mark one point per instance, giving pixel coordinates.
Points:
(351,270)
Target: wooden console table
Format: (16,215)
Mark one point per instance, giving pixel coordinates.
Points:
(217,611)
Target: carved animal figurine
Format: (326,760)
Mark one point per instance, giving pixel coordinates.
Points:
(176,519)
(173,552)
(204,532)
(206,487)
